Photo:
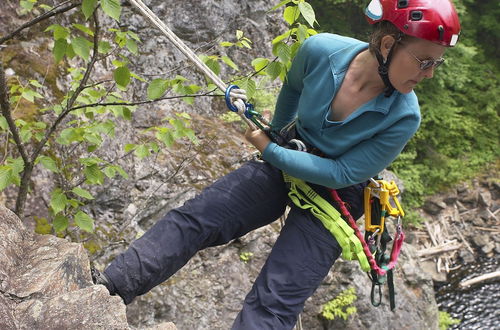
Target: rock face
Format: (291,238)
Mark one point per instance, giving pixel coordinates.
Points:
(45,283)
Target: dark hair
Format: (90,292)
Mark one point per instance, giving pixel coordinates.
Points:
(382,29)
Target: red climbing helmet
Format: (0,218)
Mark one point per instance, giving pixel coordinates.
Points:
(433,20)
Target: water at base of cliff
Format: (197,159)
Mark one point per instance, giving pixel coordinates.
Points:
(477,307)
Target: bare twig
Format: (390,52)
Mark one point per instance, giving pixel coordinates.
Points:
(4,104)
(492,229)
(209,93)
(55,11)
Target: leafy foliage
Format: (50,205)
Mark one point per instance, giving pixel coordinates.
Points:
(340,306)
(446,321)
(66,131)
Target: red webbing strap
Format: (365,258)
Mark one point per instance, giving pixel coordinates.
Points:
(396,246)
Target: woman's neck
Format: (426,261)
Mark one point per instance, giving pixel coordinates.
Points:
(363,74)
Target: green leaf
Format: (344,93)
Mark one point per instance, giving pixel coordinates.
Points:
(291,14)
(70,135)
(3,123)
(112,8)
(48,163)
(122,76)
(104,47)
(248,85)
(229,62)
(88,7)
(59,31)
(225,44)
(81,47)
(142,151)
(283,36)
(84,29)
(58,200)
(59,50)
(282,3)
(109,171)
(260,63)
(282,50)
(132,46)
(307,12)
(83,221)
(137,77)
(121,171)
(93,175)
(82,193)
(274,70)
(157,88)
(5,177)
(129,147)
(60,223)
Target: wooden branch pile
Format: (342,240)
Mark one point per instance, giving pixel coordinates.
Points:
(443,240)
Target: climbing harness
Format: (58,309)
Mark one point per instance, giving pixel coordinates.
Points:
(303,196)
(369,249)
(378,193)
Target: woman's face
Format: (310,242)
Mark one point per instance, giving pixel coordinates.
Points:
(405,69)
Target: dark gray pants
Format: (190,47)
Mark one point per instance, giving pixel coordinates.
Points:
(248,198)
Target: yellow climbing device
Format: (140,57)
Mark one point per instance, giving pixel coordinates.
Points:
(385,191)
(303,196)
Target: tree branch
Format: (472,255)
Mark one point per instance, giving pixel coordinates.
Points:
(4,104)
(142,102)
(28,169)
(54,11)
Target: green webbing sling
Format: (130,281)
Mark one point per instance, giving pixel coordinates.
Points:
(303,196)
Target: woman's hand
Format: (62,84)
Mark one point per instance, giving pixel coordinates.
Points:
(258,138)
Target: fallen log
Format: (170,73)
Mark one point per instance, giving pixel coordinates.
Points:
(479,279)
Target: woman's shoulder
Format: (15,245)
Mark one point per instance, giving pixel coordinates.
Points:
(329,42)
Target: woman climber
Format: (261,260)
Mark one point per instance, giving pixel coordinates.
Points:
(353,103)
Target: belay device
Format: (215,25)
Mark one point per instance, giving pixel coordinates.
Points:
(377,203)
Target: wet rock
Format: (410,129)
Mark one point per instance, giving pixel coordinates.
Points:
(484,198)
(466,256)
(433,207)
(489,247)
(480,240)
(450,199)
(429,267)
(470,198)
(461,207)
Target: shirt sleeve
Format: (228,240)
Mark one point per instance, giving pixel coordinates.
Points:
(358,164)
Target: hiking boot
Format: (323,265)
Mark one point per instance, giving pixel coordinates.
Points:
(101,278)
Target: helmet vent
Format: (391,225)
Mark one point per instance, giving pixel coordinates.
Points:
(416,15)
(402,3)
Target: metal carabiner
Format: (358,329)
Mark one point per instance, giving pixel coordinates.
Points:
(249,110)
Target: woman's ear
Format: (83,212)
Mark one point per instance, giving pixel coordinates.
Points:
(386,44)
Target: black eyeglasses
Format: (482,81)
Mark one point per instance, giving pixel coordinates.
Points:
(426,64)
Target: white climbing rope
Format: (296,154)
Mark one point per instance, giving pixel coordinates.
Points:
(178,43)
(238,95)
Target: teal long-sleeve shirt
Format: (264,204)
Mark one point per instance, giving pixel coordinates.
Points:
(357,148)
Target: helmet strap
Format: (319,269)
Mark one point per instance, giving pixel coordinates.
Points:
(383,70)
